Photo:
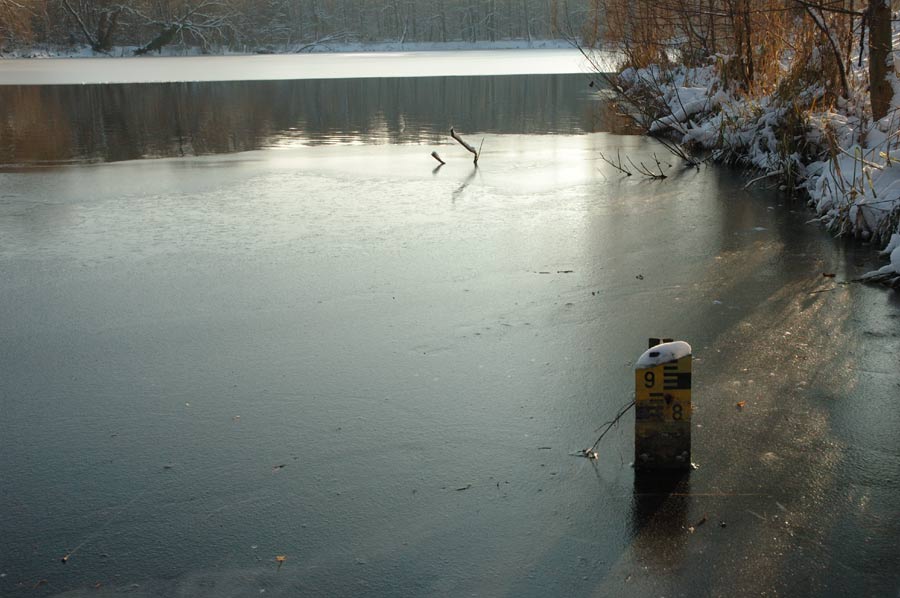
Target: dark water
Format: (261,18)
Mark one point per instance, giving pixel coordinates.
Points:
(328,350)
(88,123)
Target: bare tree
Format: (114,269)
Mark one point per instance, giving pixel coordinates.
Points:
(881,59)
(16,19)
(876,18)
(203,24)
(241,23)
(97,21)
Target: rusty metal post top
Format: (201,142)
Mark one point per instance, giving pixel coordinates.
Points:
(664,353)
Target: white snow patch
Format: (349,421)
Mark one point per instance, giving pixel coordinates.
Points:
(664,353)
(683,103)
(893,244)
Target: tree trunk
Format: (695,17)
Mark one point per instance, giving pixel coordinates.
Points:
(163,39)
(527,20)
(881,60)
(315,19)
(492,20)
(105,29)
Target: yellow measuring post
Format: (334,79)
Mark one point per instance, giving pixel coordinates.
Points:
(662,401)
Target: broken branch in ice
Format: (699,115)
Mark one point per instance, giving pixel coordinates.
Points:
(591,453)
(768,175)
(65,558)
(462,142)
(617,164)
(644,170)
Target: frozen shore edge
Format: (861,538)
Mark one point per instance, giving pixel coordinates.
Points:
(84,51)
(853,187)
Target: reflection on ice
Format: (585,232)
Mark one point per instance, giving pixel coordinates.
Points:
(60,124)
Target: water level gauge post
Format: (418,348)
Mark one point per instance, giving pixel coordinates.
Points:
(662,400)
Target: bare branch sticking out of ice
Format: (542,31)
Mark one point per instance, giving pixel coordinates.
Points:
(664,353)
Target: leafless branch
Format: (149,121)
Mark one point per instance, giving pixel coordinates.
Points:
(617,164)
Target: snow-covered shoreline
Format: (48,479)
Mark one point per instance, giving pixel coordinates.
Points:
(84,51)
(845,165)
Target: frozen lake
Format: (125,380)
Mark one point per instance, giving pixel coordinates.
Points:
(75,71)
(325,348)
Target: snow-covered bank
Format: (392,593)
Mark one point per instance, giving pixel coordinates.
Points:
(85,51)
(831,152)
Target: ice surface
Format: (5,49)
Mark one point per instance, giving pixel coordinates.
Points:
(384,331)
(63,71)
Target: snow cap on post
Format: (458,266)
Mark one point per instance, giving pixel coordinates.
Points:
(664,353)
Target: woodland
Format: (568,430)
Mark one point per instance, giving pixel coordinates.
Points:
(287,25)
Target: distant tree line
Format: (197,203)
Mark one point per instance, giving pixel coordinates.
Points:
(284,24)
